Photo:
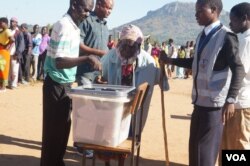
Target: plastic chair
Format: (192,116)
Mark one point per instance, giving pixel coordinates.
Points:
(132,144)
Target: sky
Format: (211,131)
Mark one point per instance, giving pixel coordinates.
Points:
(49,11)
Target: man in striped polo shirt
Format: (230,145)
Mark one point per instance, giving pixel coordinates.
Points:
(60,69)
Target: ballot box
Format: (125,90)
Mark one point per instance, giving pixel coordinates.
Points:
(101,113)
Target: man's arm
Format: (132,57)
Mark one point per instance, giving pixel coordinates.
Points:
(65,62)
(181,62)
(235,64)
(89,50)
(29,43)
(11,39)
(20,46)
(233,60)
(86,27)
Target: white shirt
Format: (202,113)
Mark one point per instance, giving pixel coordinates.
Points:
(13,45)
(210,27)
(244,53)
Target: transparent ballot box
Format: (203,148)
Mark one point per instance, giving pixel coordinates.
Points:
(101,113)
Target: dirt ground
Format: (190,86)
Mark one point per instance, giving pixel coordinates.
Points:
(21,127)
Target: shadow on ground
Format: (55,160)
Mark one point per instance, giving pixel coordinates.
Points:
(20,142)
(71,158)
(24,160)
(181,117)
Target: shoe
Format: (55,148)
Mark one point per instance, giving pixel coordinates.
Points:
(2,90)
(10,87)
(88,153)
(24,82)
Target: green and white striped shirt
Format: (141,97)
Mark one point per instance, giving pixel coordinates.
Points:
(64,42)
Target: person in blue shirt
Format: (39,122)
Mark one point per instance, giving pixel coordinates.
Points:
(94,38)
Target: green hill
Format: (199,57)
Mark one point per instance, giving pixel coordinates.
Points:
(174,20)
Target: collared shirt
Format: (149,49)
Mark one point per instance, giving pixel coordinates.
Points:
(244,53)
(210,27)
(64,42)
(94,34)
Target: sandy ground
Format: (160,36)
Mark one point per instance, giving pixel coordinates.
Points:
(21,127)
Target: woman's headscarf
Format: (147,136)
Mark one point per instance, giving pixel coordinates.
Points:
(132,32)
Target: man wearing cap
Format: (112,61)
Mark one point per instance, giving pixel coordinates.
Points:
(16,52)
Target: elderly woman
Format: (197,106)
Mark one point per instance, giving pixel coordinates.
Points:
(128,64)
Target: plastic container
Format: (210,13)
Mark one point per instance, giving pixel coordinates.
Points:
(101,114)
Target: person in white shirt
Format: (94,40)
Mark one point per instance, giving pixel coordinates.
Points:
(236,134)
(36,41)
(16,48)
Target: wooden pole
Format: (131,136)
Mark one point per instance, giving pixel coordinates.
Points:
(163,73)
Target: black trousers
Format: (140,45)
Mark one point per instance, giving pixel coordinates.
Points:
(41,60)
(24,69)
(56,122)
(205,136)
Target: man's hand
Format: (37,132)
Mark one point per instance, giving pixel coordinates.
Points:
(29,52)
(227,112)
(101,53)
(14,57)
(96,64)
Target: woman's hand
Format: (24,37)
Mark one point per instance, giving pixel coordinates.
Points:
(100,80)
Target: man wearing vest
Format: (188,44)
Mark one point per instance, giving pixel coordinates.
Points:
(217,73)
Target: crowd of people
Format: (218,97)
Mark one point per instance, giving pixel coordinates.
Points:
(80,48)
(172,51)
(26,52)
